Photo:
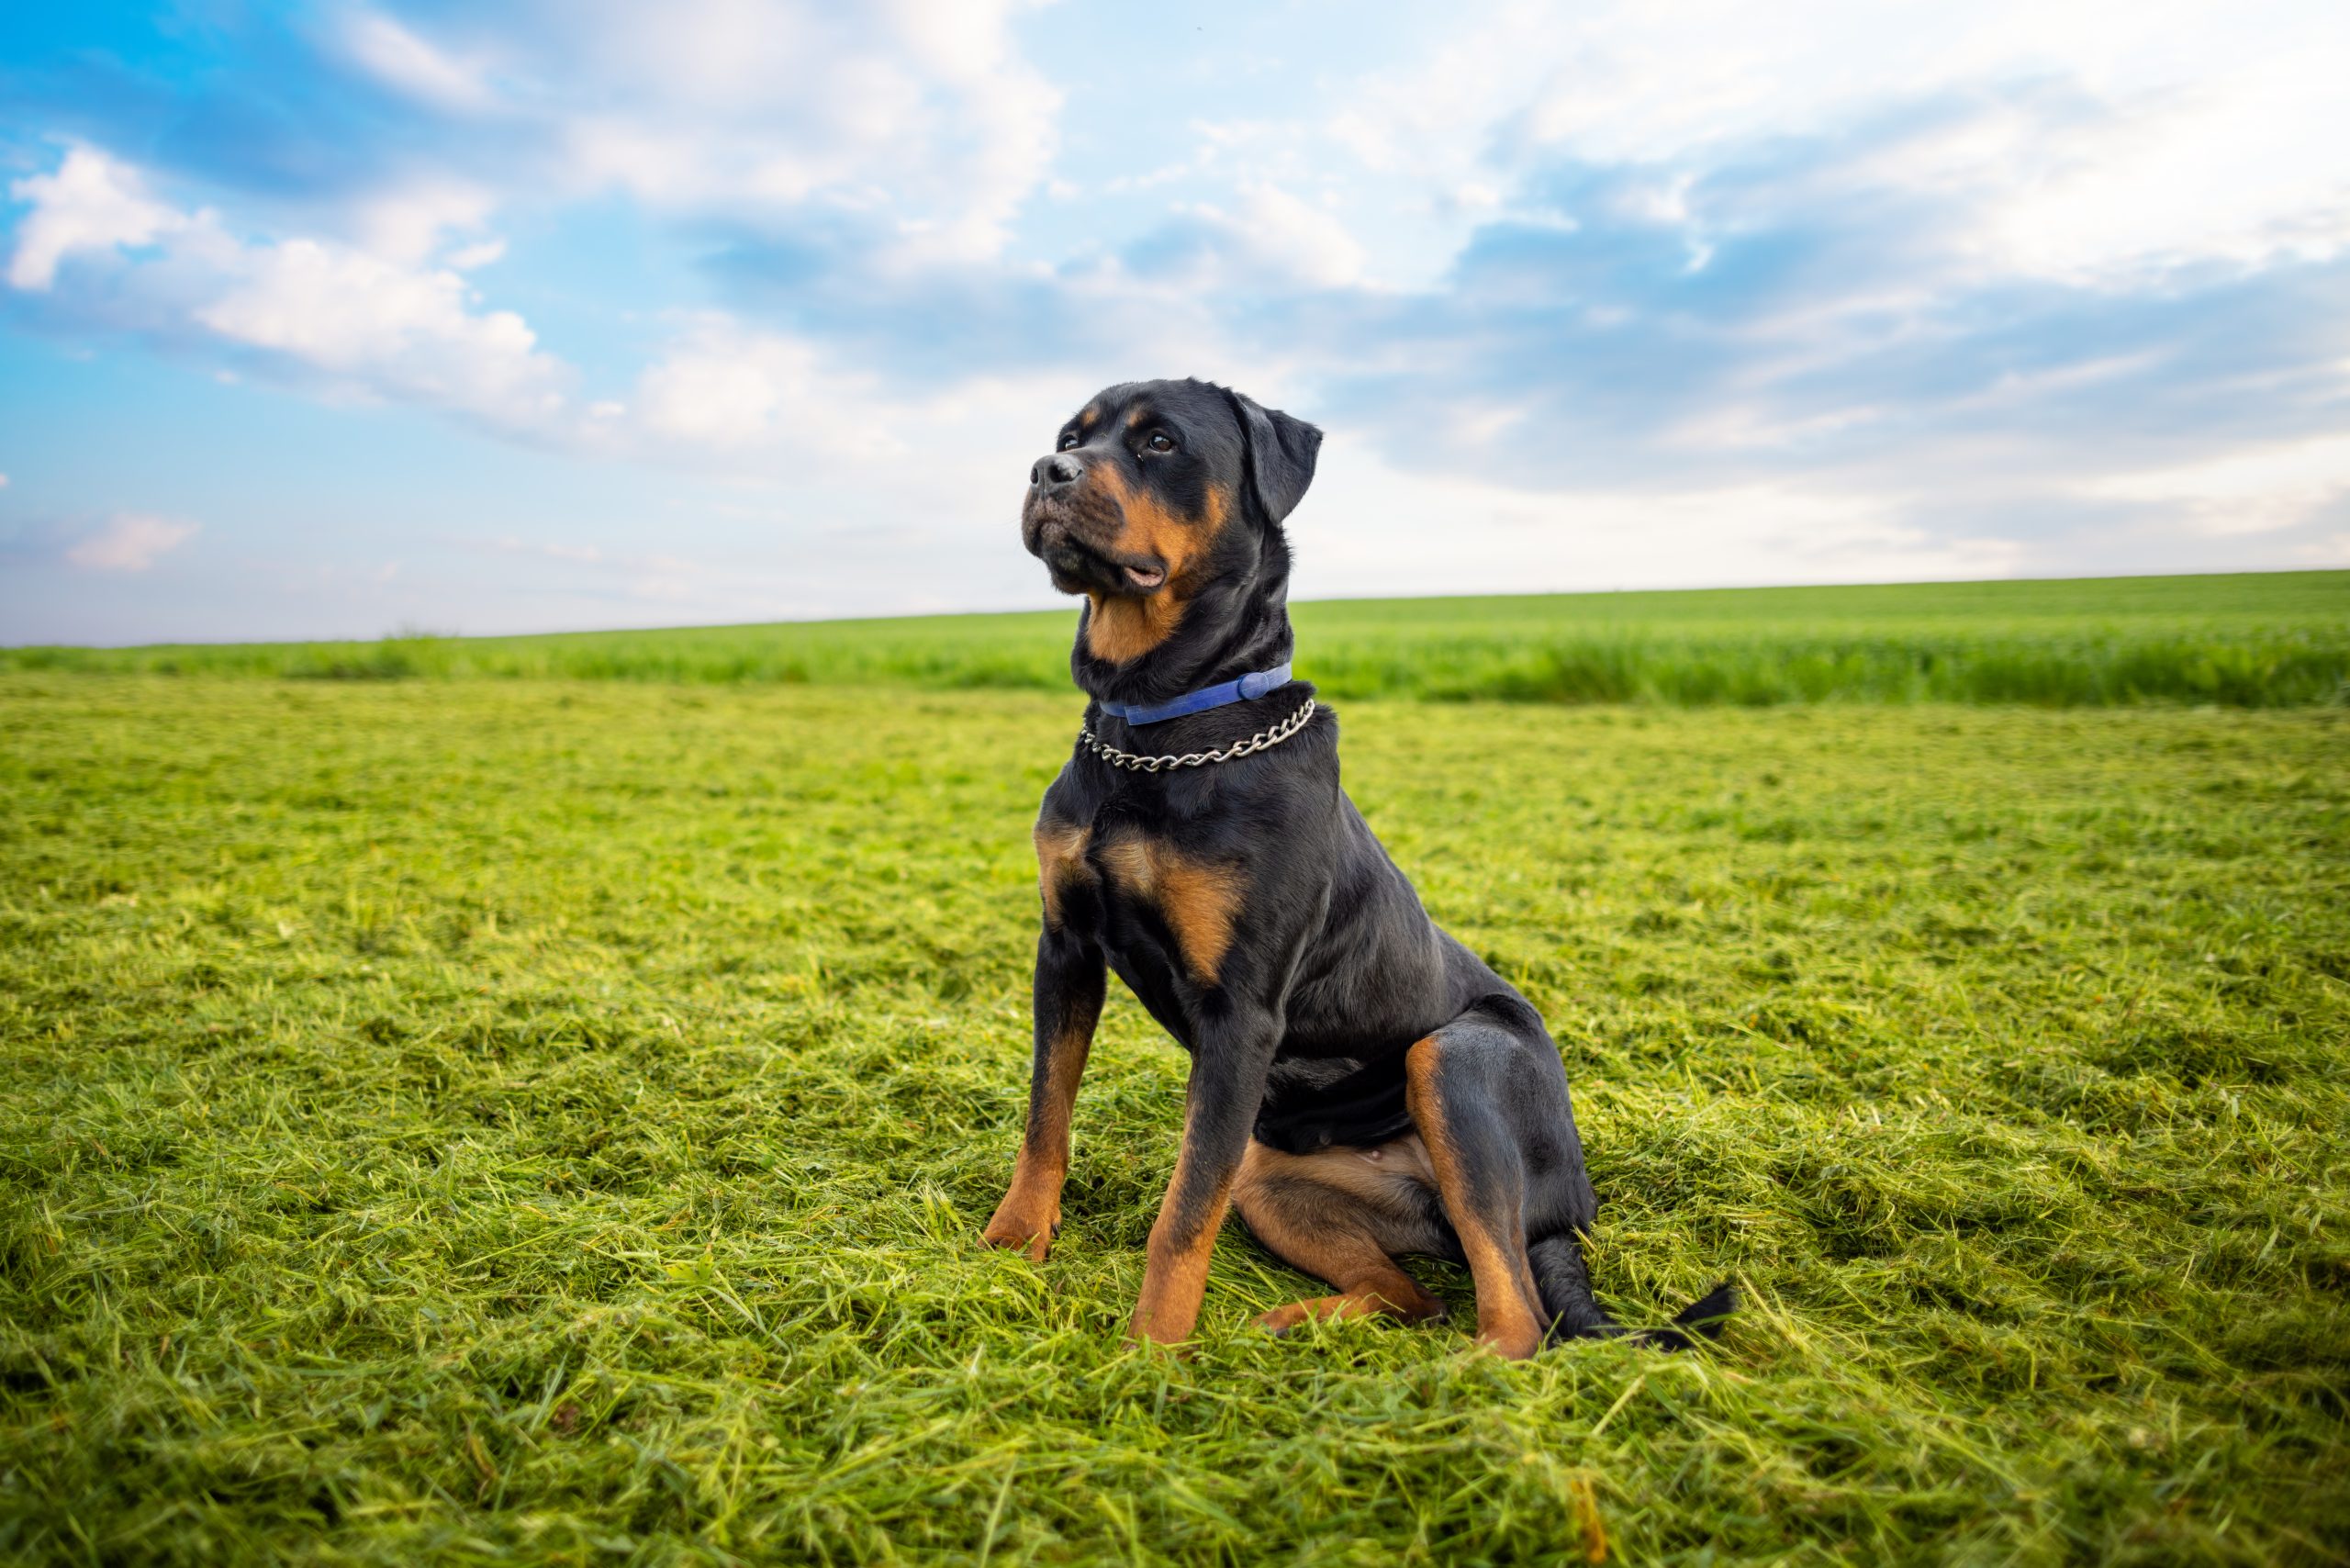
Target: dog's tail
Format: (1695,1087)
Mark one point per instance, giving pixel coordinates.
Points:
(1565,1285)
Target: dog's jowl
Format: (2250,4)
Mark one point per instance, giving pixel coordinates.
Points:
(1362,1085)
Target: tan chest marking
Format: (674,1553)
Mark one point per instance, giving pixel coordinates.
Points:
(1060,861)
(1123,630)
(1196,898)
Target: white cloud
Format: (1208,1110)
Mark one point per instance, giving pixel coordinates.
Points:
(92,203)
(406,331)
(2242,166)
(2203,130)
(1307,241)
(130,542)
(921,113)
(401,60)
(711,394)
(468,258)
(1271,238)
(406,222)
(2262,490)
(775,404)
(1365,528)
(363,321)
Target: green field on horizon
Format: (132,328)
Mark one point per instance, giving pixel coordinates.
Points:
(2252,640)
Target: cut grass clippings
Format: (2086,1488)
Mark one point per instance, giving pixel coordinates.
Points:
(526,1121)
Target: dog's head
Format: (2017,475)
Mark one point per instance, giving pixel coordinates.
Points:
(1157,493)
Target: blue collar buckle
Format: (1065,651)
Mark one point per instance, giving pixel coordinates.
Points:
(1249,687)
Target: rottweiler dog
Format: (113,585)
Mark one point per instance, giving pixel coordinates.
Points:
(1361,1085)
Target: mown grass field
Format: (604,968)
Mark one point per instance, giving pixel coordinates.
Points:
(2250,641)
(481,1120)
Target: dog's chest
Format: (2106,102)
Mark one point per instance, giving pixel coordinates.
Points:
(1151,903)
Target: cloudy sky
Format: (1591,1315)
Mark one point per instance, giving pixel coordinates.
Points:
(333,319)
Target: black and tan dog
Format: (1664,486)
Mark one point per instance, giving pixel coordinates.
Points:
(1361,1085)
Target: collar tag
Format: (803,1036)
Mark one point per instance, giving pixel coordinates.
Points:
(1249,687)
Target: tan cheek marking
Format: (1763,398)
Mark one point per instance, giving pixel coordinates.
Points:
(1060,859)
(1151,529)
(1197,900)
(1121,628)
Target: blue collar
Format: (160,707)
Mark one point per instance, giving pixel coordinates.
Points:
(1253,685)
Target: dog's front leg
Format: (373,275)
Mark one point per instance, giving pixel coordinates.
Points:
(1070,977)
(1220,1108)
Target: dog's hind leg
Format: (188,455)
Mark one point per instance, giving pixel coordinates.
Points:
(1340,1215)
(1469,1086)
(1489,1094)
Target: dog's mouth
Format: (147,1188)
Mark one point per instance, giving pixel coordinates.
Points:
(1080,565)
(1112,571)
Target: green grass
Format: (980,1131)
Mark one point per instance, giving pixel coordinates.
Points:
(473,1121)
(2250,641)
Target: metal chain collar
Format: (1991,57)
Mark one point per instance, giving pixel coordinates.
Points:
(1261,741)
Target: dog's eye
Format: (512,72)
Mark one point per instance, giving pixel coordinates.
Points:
(1161,442)
(1069,442)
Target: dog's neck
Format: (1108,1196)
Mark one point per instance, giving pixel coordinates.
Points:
(1227,630)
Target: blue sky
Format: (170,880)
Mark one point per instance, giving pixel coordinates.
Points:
(329,320)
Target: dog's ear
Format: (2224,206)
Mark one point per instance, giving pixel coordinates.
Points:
(1280,453)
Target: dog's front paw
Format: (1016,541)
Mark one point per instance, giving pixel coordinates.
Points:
(1034,1239)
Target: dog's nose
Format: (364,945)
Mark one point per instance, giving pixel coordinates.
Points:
(1049,473)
